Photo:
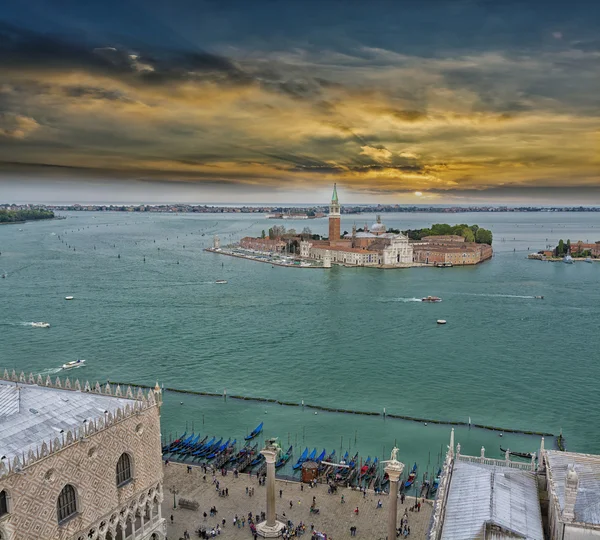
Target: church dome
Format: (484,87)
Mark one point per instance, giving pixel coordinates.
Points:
(377,228)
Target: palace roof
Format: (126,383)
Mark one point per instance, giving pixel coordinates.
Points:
(32,414)
(500,501)
(587,467)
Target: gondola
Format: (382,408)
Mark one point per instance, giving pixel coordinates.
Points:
(313,455)
(411,477)
(525,455)
(301,460)
(244,452)
(218,450)
(255,432)
(284,458)
(321,456)
(167,447)
(257,460)
(203,447)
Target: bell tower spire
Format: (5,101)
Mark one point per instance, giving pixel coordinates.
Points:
(334,217)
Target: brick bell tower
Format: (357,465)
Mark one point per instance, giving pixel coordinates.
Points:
(334,217)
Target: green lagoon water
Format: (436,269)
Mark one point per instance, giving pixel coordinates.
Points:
(344,338)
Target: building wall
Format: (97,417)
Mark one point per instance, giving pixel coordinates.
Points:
(262,244)
(90,467)
(443,238)
(334,228)
(398,252)
(467,254)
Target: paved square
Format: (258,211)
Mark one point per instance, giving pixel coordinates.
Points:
(334,518)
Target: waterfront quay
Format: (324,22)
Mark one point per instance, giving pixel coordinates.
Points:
(264,257)
(334,517)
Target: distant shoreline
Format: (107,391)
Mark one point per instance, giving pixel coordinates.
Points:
(302,209)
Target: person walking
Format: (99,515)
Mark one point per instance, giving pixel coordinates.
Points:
(342,501)
(291,504)
(280,493)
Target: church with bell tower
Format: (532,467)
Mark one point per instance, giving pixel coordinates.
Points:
(372,247)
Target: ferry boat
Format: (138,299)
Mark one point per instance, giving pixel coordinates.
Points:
(40,324)
(74,364)
(431,299)
(443,265)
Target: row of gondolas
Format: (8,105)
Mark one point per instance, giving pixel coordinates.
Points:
(347,471)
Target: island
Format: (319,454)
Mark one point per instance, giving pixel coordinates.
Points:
(569,251)
(8,215)
(375,245)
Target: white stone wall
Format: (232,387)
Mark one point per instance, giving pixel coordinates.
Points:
(90,467)
(399,252)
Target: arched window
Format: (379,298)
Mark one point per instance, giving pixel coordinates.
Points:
(3,503)
(66,505)
(123,470)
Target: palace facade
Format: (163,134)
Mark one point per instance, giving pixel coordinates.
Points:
(79,462)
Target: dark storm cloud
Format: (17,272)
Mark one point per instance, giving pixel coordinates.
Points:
(23,50)
(94,93)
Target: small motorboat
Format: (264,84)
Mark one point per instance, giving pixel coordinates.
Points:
(221,281)
(588,260)
(441,321)
(40,325)
(431,299)
(74,364)
(540,297)
(568,259)
(69,297)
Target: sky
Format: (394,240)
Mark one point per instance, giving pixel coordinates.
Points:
(401,101)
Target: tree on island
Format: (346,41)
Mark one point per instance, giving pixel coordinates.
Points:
(483,236)
(276,232)
(471,233)
(14,216)
(468,235)
(263,235)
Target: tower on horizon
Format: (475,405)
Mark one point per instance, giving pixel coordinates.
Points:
(334,216)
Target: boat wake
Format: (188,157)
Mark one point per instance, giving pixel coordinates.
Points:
(50,371)
(36,324)
(401,300)
(500,295)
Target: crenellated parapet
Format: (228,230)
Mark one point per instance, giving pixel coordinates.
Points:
(140,401)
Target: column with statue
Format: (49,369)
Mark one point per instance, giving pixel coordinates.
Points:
(394,469)
(271,528)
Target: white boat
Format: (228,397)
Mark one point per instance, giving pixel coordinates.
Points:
(441,321)
(588,260)
(69,297)
(74,364)
(40,325)
(221,281)
(568,259)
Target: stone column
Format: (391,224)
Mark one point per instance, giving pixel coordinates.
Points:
(271,528)
(394,470)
